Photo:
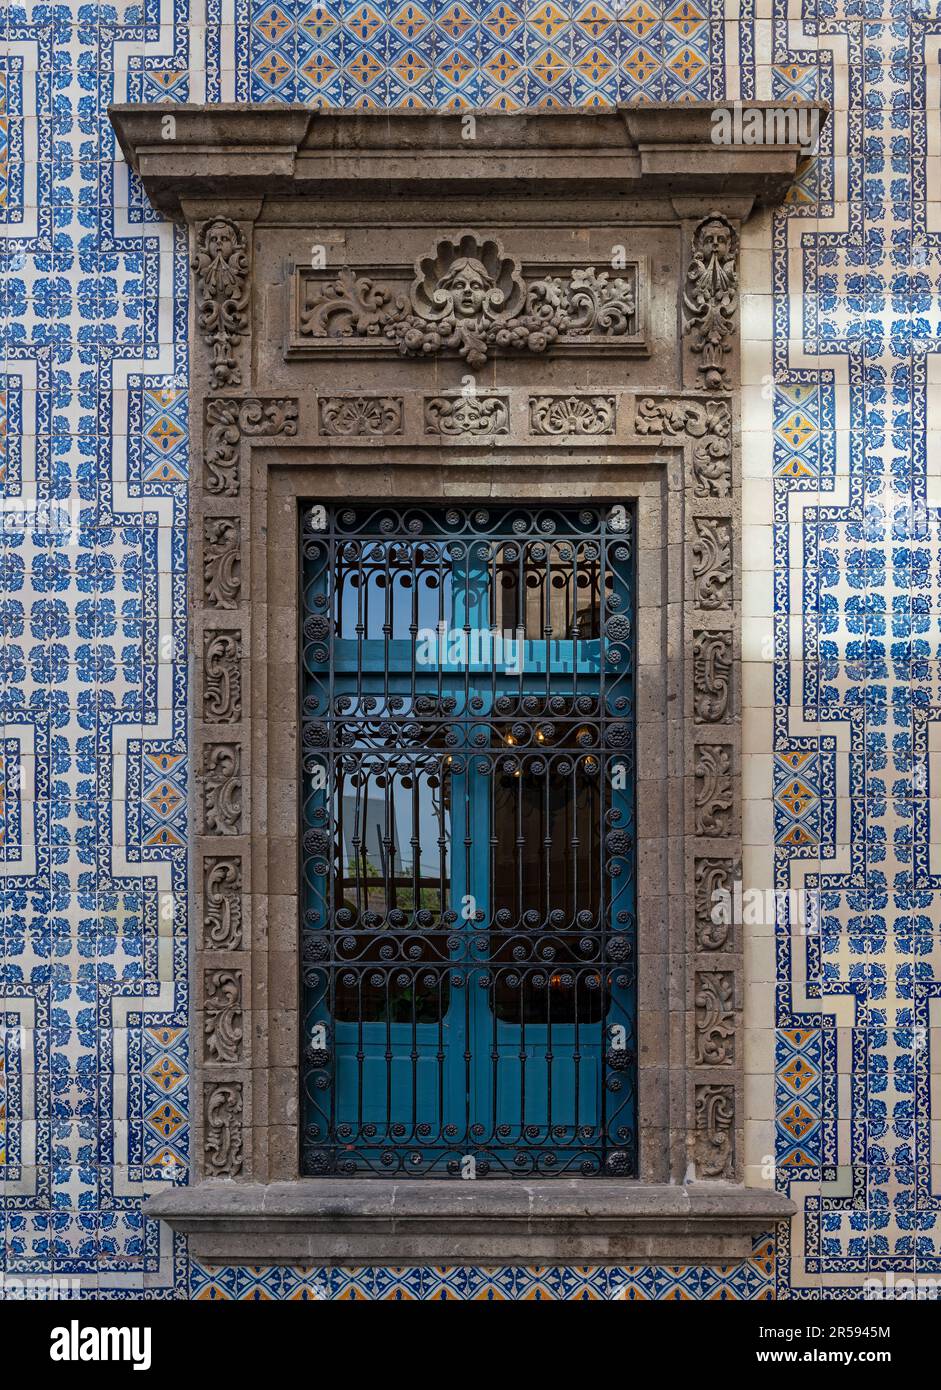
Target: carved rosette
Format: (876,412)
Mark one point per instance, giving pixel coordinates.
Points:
(572,415)
(360,415)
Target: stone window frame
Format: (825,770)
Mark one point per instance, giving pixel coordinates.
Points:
(261,454)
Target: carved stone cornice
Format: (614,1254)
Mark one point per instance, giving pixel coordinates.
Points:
(239,150)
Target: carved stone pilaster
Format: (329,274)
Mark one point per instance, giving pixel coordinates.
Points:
(221,273)
(710,297)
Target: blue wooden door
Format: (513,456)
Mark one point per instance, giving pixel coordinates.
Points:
(469,875)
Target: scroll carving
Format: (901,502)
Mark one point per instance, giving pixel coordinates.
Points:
(472,414)
(709,424)
(572,414)
(221,271)
(712,673)
(469,296)
(711,295)
(359,415)
(713,896)
(222,789)
(222,906)
(712,563)
(713,1149)
(227,420)
(715,1018)
(222,677)
(222,561)
(714,795)
(223,1129)
(222,1005)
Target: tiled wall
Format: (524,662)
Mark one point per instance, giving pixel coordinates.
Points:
(843,608)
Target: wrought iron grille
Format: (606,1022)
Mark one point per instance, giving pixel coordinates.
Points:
(469,878)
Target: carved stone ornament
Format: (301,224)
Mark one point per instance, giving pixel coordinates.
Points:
(714,791)
(222,561)
(714,903)
(712,563)
(572,414)
(221,271)
(715,1115)
(222,909)
(710,296)
(222,1144)
(227,420)
(712,672)
(222,789)
(471,414)
(709,423)
(222,678)
(469,296)
(715,1018)
(359,415)
(222,1025)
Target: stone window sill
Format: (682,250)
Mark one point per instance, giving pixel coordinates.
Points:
(491,1221)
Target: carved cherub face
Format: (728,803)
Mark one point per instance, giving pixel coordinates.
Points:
(219,241)
(716,240)
(468,284)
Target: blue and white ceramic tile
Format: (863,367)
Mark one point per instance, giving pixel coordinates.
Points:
(842,493)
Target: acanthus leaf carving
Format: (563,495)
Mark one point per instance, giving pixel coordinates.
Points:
(710,296)
(222,789)
(714,902)
(715,1018)
(222,677)
(712,673)
(360,415)
(469,296)
(222,561)
(708,423)
(712,563)
(221,271)
(222,908)
(227,420)
(222,1007)
(466,414)
(714,791)
(714,1148)
(222,1142)
(572,414)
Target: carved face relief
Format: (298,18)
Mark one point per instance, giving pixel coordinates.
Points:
(716,239)
(468,286)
